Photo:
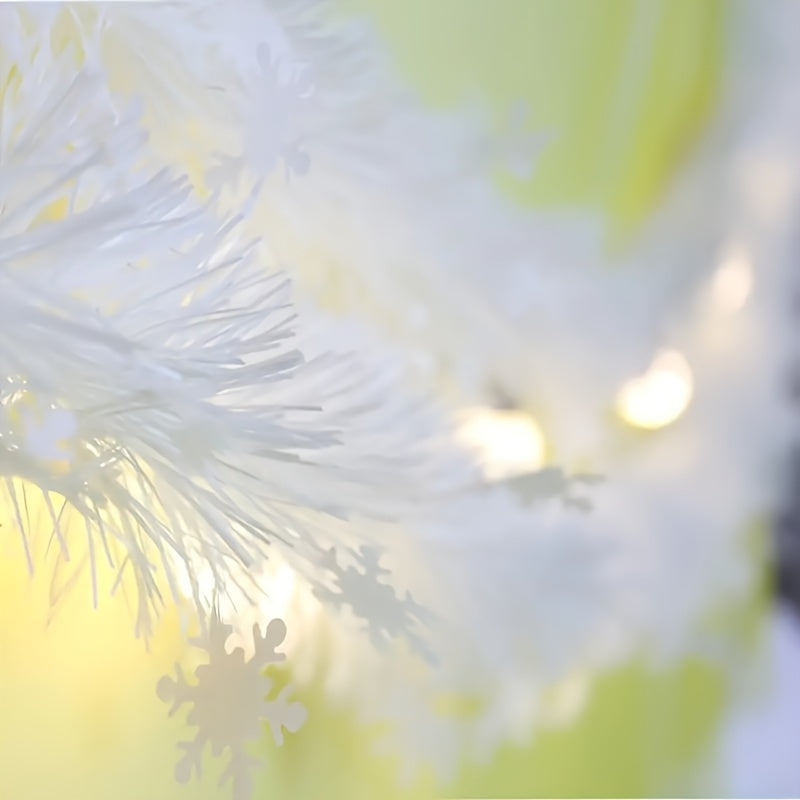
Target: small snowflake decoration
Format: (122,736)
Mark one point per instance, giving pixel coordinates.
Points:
(229,701)
(551,482)
(388,616)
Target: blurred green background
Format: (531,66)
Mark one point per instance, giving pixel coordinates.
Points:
(622,88)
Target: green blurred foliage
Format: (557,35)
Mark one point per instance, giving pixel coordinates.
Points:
(621,88)
(635,738)
(333,756)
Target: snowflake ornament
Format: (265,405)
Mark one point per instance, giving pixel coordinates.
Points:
(370,597)
(229,702)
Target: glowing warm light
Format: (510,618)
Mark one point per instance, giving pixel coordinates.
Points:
(660,396)
(280,590)
(733,281)
(203,578)
(78,667)
(507,442)
(279,586)
(565,699)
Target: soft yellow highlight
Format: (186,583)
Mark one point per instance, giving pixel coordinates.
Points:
(81,718)
(660,396)
(52,212)
(507,442)
(733,281)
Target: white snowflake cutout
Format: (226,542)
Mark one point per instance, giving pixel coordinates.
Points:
(229,701)
(268,136)
(552,482)
(387,616)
